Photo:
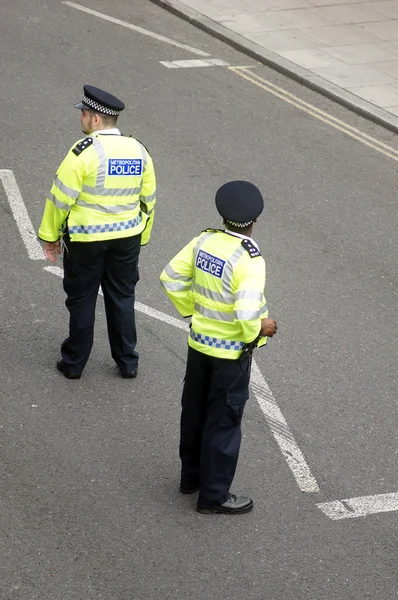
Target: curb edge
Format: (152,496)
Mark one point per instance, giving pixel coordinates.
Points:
(354,103)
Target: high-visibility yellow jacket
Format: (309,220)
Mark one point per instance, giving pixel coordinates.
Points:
(219,279)
(105,188)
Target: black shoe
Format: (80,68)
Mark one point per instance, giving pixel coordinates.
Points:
(61,367)
(233,506)
(130,374)
(188,489)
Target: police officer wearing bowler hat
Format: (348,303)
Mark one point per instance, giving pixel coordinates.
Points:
(218,279)
(101,207)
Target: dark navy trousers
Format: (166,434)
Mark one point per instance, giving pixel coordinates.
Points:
(213,399)
(114,265)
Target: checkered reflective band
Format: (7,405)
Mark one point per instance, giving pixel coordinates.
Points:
(240,224)
(215,342)
(99,107)
(105,227)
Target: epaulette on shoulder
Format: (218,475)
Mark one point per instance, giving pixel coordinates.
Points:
(78,149)
(251,248)
(210,229)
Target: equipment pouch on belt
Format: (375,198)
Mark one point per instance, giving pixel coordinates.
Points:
(248,349)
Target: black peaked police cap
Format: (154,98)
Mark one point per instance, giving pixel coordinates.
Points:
(239,202)
(100,101)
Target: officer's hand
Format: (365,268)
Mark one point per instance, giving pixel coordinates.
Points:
(51,249)
(268,327)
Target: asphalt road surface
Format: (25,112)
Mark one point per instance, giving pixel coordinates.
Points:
(89,501)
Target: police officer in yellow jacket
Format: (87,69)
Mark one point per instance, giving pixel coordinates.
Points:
(218,279)
(101,206)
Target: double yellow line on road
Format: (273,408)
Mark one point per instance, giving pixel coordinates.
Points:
(312,110)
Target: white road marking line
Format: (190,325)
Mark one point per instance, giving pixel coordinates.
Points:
(263,394)
(55,270)
(196,62)
(281,432)
(161,316)
(360,507)
(156,36)
(20,215)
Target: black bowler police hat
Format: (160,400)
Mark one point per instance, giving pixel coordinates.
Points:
(100,101)
(239,203)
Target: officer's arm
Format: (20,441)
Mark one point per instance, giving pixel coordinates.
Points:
(65,190)
(250,306)
(176,279)
(148,198)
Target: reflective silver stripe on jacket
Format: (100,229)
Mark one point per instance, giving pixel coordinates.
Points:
(101,191)
(229,268)
(58,203)
(248,295)
(113,209)
(218,315)
(199,244)
(263,308)
(247,315)
(175,286)
(227,298)
(144,155)
(148,199)
(65,189)
(101,172)
(174,275)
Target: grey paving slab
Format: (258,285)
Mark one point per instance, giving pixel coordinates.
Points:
(385,30)
(340,35)
(390,46)
(287,19)
(288,39)
(357,54)
(354,76)
(285,4)
(388,9)
(343,14)
(309,58)
(332,2)
(389,68)
(246,23)
(222,8)
(382,95)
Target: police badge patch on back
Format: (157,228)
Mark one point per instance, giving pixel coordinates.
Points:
(125,166)
(210,264)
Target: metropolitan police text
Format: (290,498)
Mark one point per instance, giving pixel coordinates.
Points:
(210,264)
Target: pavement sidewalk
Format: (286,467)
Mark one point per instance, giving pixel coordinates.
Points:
(347,50)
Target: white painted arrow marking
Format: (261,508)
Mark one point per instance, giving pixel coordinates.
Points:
(360,507)
(20,215)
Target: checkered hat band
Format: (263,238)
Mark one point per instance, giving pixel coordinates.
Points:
(99,107)
(240,224)
(207,340)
